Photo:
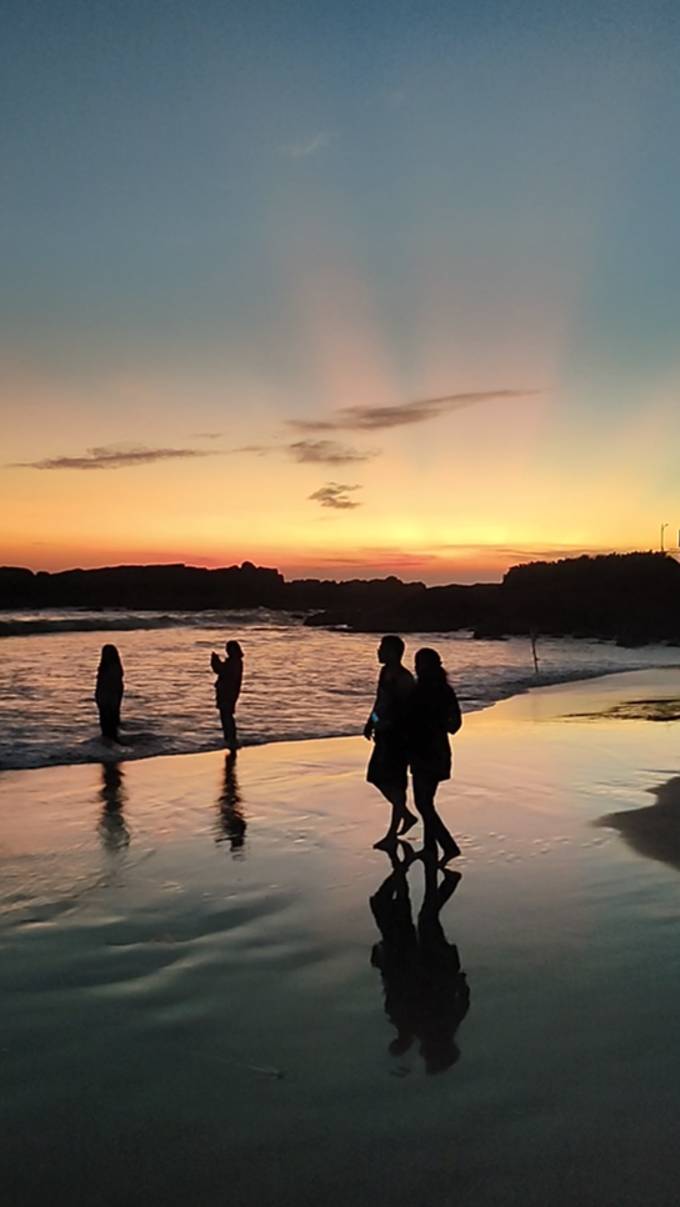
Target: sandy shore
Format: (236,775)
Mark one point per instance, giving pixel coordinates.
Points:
(194,1008)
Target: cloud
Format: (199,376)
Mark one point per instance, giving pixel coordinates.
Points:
(360,418)
(206,435)
(380,558)
(310,146)
(113,456)
(310,452)
(530,553)
(336,495)
(328,452)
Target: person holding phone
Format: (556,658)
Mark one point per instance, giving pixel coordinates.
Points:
(229,672)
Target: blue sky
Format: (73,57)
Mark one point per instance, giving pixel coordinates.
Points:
(265,211)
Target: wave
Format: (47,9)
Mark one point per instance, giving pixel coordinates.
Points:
(107,622)
(86,624)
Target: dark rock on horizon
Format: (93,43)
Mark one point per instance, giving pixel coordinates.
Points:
(630,598)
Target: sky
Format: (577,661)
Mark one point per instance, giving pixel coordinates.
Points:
(349,289)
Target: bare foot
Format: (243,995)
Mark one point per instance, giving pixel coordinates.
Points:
(452,880)
(388,843)
(450,852)
(408,821)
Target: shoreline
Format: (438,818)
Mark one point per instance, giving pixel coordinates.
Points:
(123,754)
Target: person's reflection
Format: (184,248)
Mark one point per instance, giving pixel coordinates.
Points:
(112,828)
(426,991)
(231,823)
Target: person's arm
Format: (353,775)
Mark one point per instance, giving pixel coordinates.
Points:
(454,718)
(369,727)
(215,663)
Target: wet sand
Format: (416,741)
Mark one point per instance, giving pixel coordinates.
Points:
(198,1005)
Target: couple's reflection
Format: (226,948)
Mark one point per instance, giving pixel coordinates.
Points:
(231,824)
(113,831)
(426,992)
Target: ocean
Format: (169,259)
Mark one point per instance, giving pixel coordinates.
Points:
(299,682)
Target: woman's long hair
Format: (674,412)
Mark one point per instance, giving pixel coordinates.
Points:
(429,669)
(110,659)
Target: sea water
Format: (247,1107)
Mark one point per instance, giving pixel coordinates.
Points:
(298,682)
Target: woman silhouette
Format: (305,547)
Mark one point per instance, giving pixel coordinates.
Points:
(433,713)
(109,691)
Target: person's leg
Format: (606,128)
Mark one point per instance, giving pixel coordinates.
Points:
(232,740)
(407,819)
(107,723)
(402,816)
(388,772)
(445,839)
(396,795)
(228,729)
(424,790)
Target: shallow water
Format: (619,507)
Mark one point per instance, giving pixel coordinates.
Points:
(299,682)
(191,1013)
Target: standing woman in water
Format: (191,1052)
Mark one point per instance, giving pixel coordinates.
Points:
(109,691)
(434,713)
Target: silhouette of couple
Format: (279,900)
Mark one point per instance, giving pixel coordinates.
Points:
(426,990)
(410,726)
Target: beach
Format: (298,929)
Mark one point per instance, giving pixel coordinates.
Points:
(194,1006)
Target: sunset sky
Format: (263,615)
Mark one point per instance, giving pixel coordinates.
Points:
(344,288)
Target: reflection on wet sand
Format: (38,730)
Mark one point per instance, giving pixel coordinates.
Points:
(231,824)
(653,831)
(426,991)
(113,831)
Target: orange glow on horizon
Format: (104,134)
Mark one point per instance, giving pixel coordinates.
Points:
(468,564)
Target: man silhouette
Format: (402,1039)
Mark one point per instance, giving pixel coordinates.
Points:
(387,765)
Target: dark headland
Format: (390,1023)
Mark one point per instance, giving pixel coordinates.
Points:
(632,598)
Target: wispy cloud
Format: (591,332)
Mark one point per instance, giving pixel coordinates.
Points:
(527,553)
(309,146)
(328,452)
(205,435)
(336,495)
(421,410)
(379,558)
(310,452)
(112,456)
